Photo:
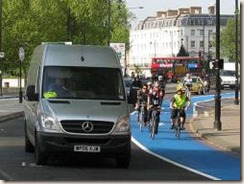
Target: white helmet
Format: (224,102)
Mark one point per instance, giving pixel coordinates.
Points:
(160,77)
(156,84)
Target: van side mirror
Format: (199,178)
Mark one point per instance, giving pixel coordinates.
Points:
(30,93)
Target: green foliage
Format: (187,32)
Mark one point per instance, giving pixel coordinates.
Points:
(27,23)
(138,70)
(182,51)
(228,40)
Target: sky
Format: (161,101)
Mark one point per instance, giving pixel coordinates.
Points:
(150,7)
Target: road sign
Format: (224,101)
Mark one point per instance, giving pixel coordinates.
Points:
(21,54)
(1,54)
(120,50)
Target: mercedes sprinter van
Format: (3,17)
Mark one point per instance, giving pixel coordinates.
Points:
(76,102)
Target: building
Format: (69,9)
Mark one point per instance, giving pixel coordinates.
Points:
(163,34)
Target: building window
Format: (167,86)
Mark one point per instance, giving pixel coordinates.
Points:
(201,44)
(193,32)
(192,44)
(201,32)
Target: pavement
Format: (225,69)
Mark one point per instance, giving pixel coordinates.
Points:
(226,139)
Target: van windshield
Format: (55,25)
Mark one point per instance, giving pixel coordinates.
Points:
(82,83)
(227,73)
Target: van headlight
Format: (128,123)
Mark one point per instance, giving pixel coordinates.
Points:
(49,124)
(123,125)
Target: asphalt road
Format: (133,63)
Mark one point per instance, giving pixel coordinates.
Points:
(17,165)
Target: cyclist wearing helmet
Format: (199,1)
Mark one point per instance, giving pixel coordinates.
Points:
(162,84)
(179,103)
(154,102)
(149,87)
(142,97)
(187,80)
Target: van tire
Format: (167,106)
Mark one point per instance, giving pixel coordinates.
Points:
(28,145)
(40,158)
(123,161)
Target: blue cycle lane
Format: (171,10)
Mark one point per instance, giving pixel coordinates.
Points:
(188,152)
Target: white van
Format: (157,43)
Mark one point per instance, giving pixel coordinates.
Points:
(76,102)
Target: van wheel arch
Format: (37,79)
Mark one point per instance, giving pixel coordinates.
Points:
(124,160)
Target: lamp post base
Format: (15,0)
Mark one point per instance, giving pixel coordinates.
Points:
(20,96)
(236,102)
(217,125)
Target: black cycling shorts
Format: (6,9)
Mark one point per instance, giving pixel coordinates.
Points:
(174,113)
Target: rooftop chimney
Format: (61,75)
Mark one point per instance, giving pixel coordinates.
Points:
(161,13)
(172,13)
(195,10)
(183,11)
(211,10)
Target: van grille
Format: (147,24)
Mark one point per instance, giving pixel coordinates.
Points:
(75,126)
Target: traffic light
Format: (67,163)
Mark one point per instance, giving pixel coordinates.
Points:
(221,64)
(217,64)
(200,54)
(214,63)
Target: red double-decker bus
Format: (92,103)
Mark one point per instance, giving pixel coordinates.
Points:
(176,67)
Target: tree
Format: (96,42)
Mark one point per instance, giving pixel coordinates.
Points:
(138,70)
(57,21)
(228,40)
(182,51)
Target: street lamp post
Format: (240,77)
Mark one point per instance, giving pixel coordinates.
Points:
(217,122)
(21,59)
(109,22)
(109,18)
(203,40)
(1,85)
(1,10)
(236,101)
(209,52)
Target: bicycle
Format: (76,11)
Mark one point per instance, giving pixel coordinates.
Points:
(177,124)
(188,90)
(142,115)
(154,121)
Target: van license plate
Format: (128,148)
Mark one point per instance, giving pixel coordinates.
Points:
(84,148)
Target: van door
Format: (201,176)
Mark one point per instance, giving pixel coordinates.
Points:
(32,101)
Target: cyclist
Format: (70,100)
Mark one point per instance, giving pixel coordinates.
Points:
(142,97)
(135,87)
(162,84)
(154,102)
(149,87)
(179,103)
(137,82)
(187,80)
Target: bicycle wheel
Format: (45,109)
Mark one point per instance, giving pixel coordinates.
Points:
(188,93)
(153,126)
(141,119)
(177,128)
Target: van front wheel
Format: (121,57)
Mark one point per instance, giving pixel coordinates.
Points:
(123,161)
(40,158)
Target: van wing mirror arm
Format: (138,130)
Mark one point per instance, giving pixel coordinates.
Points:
(30,93)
